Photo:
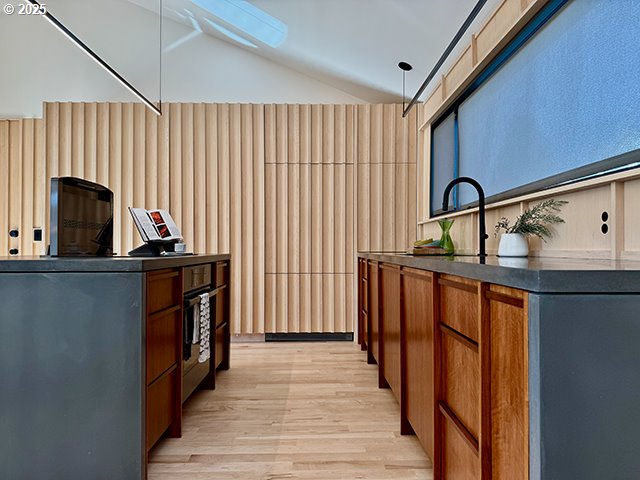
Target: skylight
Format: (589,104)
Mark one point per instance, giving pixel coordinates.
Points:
(230,34)
(247,18)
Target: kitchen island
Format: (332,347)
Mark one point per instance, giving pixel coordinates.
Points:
(509,368)
(91,360)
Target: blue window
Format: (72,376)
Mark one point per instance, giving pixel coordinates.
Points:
(561,103)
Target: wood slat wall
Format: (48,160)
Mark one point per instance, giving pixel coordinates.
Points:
(386,177)
(22,171)
(274,185)
(309,227)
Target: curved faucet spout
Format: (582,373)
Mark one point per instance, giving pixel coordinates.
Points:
(481,214)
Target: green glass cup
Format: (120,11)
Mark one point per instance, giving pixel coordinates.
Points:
(445,240)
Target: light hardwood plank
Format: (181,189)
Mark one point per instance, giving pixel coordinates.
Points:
(296,411)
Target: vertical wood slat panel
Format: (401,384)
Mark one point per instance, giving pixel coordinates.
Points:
(200,197)
(235,213)
(4,186)
(15,181)
(270,195)
(282,217)
(316,218)
(211,167)
(39,187)
(258,246)
(350,200)
(223,178)
(126,178)
(246,252)
(102,144)
(339,224)
(293,212)
(270,302)
(64,139)
(186,161)
(305,201)
(151,160)
(90,141)
(328,224)
(164,161)
(76,139)
(115,171)
(282,303)
(51,152)
(139,180)
(27,187)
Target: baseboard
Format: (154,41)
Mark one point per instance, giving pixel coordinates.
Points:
(309,337)
(247,338)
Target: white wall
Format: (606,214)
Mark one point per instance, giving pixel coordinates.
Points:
(37,63)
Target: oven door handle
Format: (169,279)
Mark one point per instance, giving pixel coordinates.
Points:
(191,301)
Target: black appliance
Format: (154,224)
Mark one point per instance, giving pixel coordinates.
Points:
(81,218)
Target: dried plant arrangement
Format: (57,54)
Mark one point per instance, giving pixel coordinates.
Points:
(535,221)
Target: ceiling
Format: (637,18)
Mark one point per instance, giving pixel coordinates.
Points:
(352,45)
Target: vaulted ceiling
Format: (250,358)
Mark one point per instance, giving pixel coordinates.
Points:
(353,45)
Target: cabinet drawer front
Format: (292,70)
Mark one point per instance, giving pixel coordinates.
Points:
(163,341)
(197,276)
(159,407)
(459,460)
(459,305)
(219,355)
(221,307)
(461,382)
(222,273)
(164,289)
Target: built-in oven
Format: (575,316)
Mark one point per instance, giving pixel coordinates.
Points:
(197,280)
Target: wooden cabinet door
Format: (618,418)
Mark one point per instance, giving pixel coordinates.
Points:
(509,406)
(362,303)
(390,327)
(459,422)
(418,355)
(373,313)
(163,351)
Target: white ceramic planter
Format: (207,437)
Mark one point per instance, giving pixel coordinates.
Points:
(513,245)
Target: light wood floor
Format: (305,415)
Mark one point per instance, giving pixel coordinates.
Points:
(292,411)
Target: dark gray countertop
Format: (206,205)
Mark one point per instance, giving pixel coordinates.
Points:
(102,264)
(534,274)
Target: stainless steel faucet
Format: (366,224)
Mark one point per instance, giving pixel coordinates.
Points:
(481,219)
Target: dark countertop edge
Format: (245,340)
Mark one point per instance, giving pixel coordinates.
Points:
(103,264)
(535,280)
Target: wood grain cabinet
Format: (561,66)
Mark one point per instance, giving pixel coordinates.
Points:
(163,355)
(222,318)
(363,303)
(389,347)
(455,353)
(506,324)
(458,389)
(373,312)
(418,374)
